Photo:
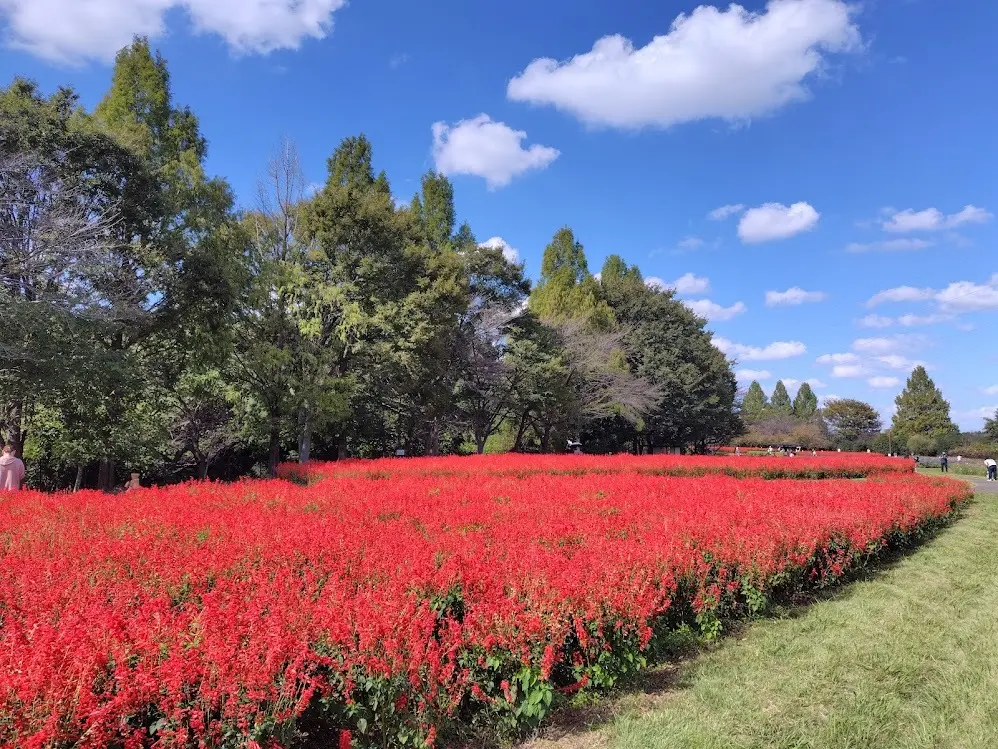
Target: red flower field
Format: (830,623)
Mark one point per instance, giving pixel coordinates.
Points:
(403,601)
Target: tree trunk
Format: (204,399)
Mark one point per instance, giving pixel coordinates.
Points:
(304,436)
(17,435)
(275,448)
(520,431)
(341,447)
(202,468)
(79,477)
(105,479)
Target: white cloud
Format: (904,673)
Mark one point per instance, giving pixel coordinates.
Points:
(689,283)
(910,321)
(896,361)
(510,253)
(776,350)
(932,219)
(654,282)
(746,375)
(984,412)
(993,390)
(889,245)
(886,345)
(847,358)
(714,311)
(690,243)
(794,296)
(776,221)
(967,296)
(731,64)
(75,31)
(848,370)
(791,383)
(901,294)
(719,214)
(883,382)
(876,321)
(487,149)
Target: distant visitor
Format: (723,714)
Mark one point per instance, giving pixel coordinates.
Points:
(11,470)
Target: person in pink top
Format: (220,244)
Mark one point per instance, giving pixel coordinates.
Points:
(11,470)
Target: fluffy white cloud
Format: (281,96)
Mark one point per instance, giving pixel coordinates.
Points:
(911,321)
(731,64)
(794,296)
(776,350)
(896,361)
(74,31)
(901,294)
(487,149)
(932,219)
(747,375)
(776,221)
(510,253)
(791,383)
(889,245)
(886,345)
(984,412)
(714,311)
(848,370)
(967,296)
(993,390)
(688,283)
(958,297)
(847,358)
(883,382)
(719,214)
(876,321)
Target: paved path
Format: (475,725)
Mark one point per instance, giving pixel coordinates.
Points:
(981,486)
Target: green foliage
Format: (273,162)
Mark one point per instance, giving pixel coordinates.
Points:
(567,290)
(780,402)
(922,410)
(805,403)
(922,444)
(854,424)
(991,427)
(755,403)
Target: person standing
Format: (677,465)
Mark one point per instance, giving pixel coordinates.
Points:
(992,469)
(11,470)
(944,463)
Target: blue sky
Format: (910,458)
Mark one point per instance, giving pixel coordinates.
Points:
(852,147)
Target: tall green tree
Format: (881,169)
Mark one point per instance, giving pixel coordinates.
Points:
(921,409)
(991,427)
(805,403)
(566,289)
(852,423)
(780,401)
(755,402)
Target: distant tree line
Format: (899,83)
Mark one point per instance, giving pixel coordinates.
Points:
(150,325)
(921,424)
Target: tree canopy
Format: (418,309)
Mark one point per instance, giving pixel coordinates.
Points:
(153,324)
(922,410)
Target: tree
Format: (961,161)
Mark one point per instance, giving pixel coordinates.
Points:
(755,403)
(668,345)
(780,402)
(805,403)
(921,409)
(566,288)
(991,427)
(852,423)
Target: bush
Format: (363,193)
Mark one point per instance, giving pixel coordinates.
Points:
(920,444)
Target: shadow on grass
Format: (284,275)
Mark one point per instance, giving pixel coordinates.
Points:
(675,672)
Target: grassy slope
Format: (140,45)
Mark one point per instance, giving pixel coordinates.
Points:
(906,658)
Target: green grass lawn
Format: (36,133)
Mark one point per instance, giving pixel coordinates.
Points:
(963,468)
(907,657)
